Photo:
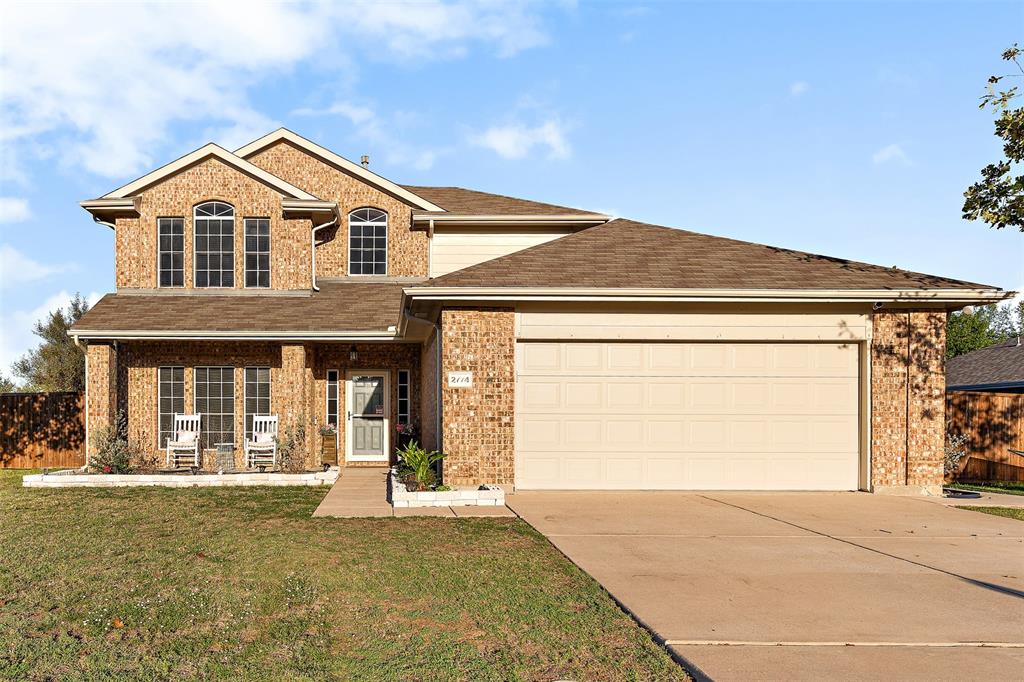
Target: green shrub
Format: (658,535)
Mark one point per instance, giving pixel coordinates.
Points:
(114,453)
(418,464)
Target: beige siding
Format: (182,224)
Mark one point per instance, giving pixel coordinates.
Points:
(454,249)
(626,415)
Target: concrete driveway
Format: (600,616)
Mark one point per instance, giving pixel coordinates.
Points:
(803,585)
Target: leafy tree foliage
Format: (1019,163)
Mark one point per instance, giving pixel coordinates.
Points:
(57,364)
(998,198)
(6,384)
(985,326)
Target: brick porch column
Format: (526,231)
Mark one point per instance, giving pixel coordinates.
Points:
(907,401)
(101,390)
(296,395)
(478,421)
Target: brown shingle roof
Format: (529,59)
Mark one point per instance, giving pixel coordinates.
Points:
(472,202)
(628,254)
(337,307)
(999,365)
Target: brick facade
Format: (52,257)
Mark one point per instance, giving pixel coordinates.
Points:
(478,421)
(101,389)
(407,249)
(176,196)
(907,400)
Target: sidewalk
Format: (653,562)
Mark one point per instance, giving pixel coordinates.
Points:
(362,492)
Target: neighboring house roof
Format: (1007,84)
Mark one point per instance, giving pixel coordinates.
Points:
(998,366)
(326,155)
(206,151)
(624,254)
(339,309)
(471,202)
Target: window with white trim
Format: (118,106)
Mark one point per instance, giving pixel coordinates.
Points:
(368,242)
(170,400)
(257,395)
(332,398)
(404,401)
(214,228)
(171,251)
(215,400)
(257,252)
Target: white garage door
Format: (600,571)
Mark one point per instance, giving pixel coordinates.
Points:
(711,416)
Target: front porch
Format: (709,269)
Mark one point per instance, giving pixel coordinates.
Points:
(337,403)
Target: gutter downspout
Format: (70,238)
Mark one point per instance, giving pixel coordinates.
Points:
(312,247)
(104,222)
(437,415)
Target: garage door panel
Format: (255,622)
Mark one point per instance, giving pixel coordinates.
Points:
(713,416)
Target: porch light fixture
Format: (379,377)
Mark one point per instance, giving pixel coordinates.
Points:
(353,354)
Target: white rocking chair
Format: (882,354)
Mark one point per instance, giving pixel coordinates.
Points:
(262,449)
(183,445)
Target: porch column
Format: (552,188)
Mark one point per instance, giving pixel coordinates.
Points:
(100,389)
(296,395)
(908,401)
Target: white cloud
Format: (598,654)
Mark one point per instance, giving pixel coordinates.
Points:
(107,82)
(517,141)
(16,336)
(13,210)
(798,88)
(17,268)
(892,153)
(370,130)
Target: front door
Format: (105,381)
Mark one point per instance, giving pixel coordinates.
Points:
(367,422)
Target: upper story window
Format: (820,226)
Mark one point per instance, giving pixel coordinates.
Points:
(257,252)
(214,227)
(171,251)
(368,242)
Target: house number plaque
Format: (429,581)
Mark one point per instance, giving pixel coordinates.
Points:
(460,379)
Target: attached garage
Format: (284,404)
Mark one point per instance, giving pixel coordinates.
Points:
(687,414)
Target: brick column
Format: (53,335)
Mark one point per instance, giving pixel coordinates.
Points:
(478,421)
(295,395)
(101,390)
(907,401)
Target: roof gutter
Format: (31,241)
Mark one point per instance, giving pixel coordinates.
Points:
(314,207)
(200,335)
(442,219)
(874,296)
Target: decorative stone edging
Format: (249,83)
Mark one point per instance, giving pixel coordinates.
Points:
(69,478)
(485,496)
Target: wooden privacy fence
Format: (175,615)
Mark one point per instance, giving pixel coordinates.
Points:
(41,430)
(994,425)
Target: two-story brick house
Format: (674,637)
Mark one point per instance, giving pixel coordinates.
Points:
(539,346)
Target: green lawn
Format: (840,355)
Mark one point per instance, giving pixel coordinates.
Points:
(1002,487)
(242,583)
(1008,512)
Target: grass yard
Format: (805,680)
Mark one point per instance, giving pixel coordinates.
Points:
(1001,487)
(1008,512)
(242,583)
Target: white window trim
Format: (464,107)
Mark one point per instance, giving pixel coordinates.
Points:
(160,397)
(408,396)
(234,400)
(159,252)
(245,253)
(234,241)
(245,395)
(387,240)
(337,399)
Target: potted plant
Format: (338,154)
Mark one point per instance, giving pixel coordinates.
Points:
(406,433)
(328,445)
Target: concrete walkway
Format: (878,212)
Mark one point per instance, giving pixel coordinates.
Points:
(362,492)
(803,586)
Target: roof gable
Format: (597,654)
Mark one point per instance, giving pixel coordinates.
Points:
(327,156)
(201,154)
(624,254)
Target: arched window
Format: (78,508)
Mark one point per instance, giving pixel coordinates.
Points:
(367,242)
(214,228)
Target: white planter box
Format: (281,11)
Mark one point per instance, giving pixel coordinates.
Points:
(64,479)
(400,497)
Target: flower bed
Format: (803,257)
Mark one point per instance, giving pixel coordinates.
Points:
(72,478)
(484,496)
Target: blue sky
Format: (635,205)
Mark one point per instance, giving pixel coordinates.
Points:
(845,129)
